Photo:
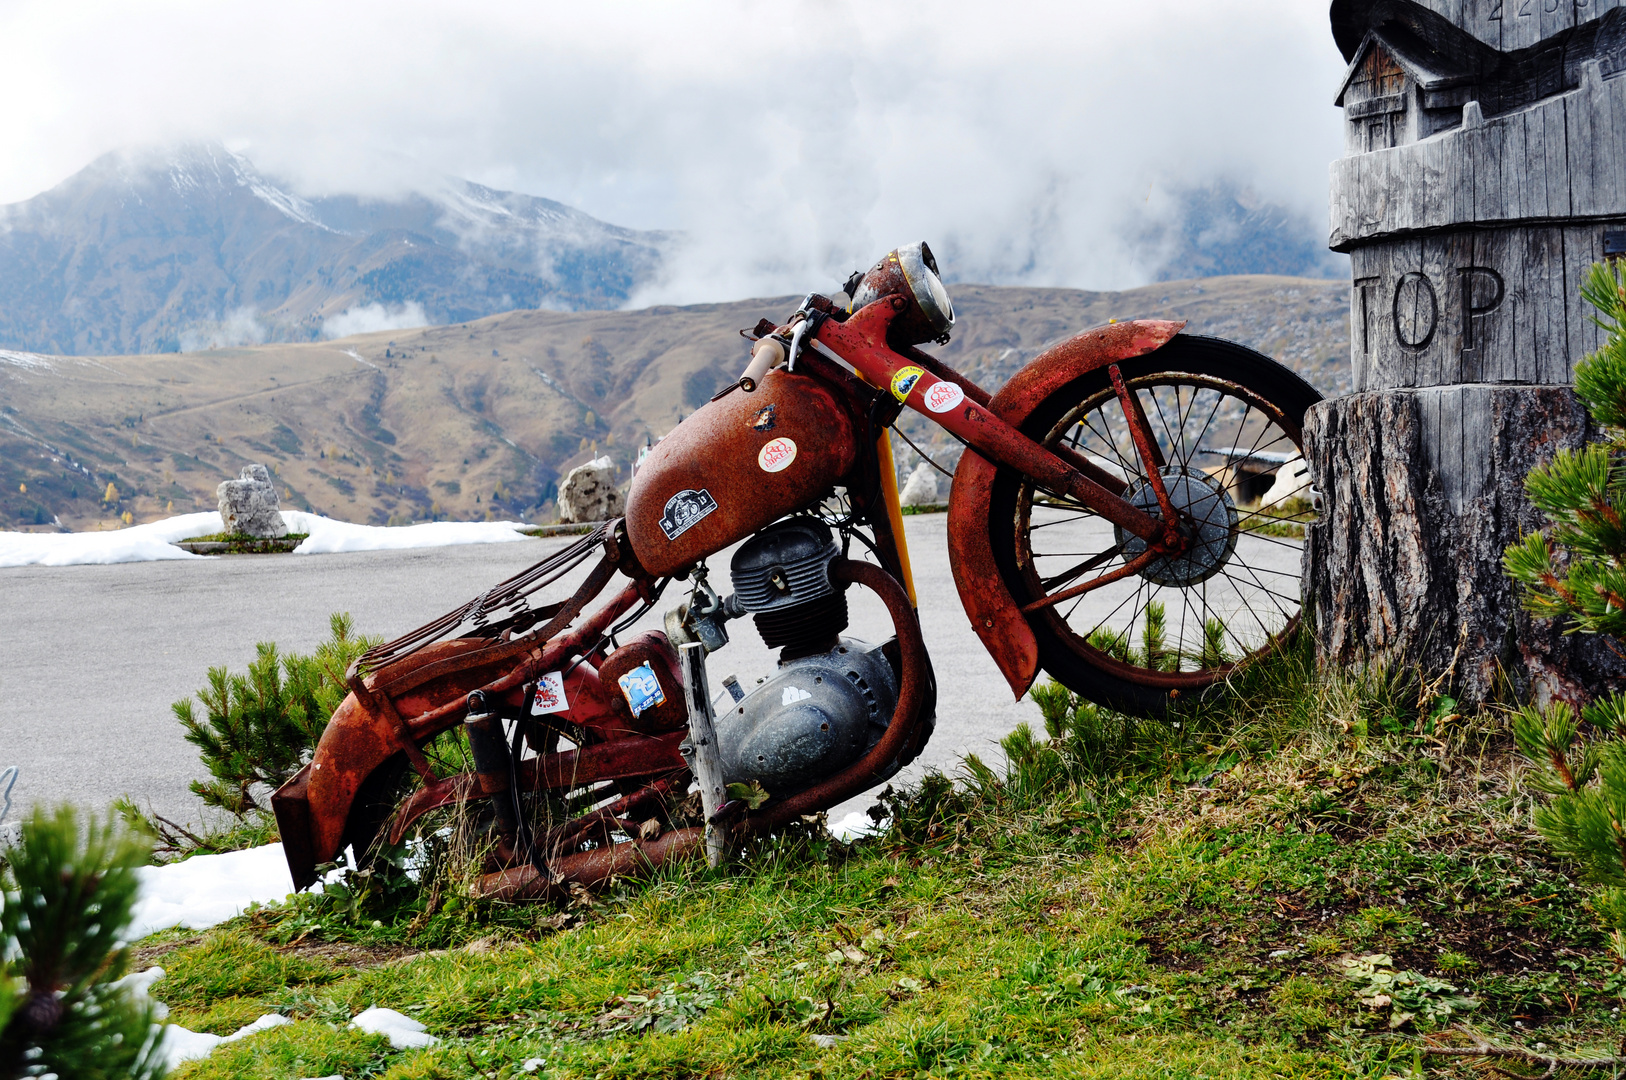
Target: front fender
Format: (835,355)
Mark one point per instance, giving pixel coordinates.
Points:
(995,615)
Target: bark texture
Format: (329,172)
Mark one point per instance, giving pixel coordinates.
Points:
(1422,491)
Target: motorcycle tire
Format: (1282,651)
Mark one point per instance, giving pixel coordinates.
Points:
(1126,662)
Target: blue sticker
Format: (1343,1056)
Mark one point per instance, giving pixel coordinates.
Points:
(642,689)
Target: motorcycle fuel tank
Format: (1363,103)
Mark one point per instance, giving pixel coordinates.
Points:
(735,465)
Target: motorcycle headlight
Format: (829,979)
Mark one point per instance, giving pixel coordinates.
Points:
(910,271)
(920,271)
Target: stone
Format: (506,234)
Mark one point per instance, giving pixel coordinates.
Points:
(921,487)
(589,493)
(249,506)
(1421,491)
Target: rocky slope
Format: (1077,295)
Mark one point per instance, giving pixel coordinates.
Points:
(482,417)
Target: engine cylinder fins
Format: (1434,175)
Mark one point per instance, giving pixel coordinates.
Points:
(783,566)
(806,628)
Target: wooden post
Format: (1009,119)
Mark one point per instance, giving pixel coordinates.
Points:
(1484,173)
(705,761)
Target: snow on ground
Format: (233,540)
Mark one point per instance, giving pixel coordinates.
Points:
(178,1045)
(138,543)
(208,889)
(156,540)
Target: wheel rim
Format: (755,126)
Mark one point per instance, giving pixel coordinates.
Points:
(1183,621)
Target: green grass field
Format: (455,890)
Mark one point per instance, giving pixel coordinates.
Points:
(1301,878)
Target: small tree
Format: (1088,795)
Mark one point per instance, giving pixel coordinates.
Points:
(1576,571)
(68,893)
(261,727)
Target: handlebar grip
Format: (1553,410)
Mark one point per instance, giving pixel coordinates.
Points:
(766,355)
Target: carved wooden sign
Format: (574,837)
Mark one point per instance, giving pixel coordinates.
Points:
(1484,173)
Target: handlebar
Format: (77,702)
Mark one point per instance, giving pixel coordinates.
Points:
(766,355)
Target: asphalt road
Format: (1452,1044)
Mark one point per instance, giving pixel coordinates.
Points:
(92,656)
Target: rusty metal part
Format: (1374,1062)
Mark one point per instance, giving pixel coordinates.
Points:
(734,466)
(1140,432)
(632,758)
(592,868)
(492,762)
(509,594)
(908,274)
(1128,569)
(861,342)
(314,808)
(995,615)
(652,648)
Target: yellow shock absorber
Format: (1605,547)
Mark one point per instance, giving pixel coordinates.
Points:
(894,510)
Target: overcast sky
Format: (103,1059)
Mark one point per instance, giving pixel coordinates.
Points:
(789,141)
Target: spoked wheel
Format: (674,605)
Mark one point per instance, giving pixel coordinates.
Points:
(1226,427)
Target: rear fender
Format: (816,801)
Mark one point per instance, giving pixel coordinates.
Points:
(995,615)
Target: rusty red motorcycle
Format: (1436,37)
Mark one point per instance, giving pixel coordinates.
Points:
(1119,518)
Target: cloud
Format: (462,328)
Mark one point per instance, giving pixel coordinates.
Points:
(241,327)
(789,142)
(373,318)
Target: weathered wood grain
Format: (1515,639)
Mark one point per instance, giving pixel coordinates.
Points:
(1534,333)
(1558,160)
(1422,490)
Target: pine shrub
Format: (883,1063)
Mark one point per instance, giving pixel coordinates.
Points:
(68,893)
(258,729)
(1576,569)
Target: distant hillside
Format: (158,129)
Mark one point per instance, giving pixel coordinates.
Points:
(172,249)
(482,418)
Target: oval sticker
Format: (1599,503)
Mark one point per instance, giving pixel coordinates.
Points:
(904,381)
(777,454)
(943,396)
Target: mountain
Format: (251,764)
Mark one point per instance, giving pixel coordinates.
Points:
(1222,228)
(484,417)
(163,250)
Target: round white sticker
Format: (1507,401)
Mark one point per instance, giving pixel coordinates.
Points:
(943,396)
(777,455)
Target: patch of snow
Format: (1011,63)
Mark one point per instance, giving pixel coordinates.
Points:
(403,1032)
(208,889)
(178,1044)
(33,361)
(853,826)
(329,537)
(139,543)
(156,540)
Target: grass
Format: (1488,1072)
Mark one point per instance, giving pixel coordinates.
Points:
(1300,877)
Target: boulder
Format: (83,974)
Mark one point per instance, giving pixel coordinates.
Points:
(589,493)
(248,505)
(921,487)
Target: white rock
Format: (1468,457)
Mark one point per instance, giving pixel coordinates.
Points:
(589,493)
(403,1032)
(921,487)
(249,504)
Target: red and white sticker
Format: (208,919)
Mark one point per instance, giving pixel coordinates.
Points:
(777,455)
(943,396)
(550,694)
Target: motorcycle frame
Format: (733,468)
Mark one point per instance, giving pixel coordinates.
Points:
(408,696)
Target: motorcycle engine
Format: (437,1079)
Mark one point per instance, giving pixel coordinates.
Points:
(832,697)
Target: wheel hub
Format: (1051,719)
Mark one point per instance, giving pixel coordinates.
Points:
(1205,516)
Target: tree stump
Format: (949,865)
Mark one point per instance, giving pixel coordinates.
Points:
(1421,490)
